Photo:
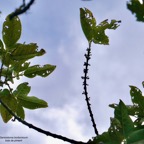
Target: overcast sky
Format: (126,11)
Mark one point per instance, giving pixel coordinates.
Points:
(55,26)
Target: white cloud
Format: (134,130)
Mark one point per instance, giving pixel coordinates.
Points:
(112,68)
(66,121)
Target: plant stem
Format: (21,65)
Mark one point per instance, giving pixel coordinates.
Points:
(85,92)
(39,129)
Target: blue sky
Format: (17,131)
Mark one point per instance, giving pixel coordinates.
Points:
(55,26)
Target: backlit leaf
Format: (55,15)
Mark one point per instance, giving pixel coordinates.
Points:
(20,112)
(104,138)
(88,23)
(40,71)
(7,73)
(95,33)
(18,67)
(99,36)
(121,114)
(22,90)
(26,51)
(11,31)
(10,101)
(32,102)
(115,131)
(136,8)
(137,98)
(6,59)
(136,137)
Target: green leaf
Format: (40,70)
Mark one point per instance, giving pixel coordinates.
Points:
(40,71)
(1,45)
(121,114)
(88,23)
(26,51)
(113,136)
(93,32)
(132,109)
(32,102)
(6,59)
(99,36)
(137,9)
(7,73)
(20,112)
(115,131)
(22,90)
(18,67)
(21,93)
(1,48)
(137,99)
(136,137)
(104,138)
(10,101)
(11,31)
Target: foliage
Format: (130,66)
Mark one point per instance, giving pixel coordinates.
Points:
(136,8)
(127,124)
(95,33)
(15,63)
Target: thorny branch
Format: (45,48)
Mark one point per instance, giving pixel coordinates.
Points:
(85,92)
(22,9)
(39,129)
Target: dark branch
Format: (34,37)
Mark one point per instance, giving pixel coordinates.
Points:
(1,70)
(22,9)
(85,92)
(39,129)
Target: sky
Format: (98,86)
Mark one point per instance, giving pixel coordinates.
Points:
(55,26)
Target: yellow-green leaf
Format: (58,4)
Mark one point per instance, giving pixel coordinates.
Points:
(88,23)
(22,90)
(11,31)
(26,51)
(10,101)
(95,33)
(32,102)
(35,70)
(20,111)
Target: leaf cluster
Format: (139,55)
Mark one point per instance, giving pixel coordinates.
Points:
(15,63)
(136,8)
(93,32)
(127,124)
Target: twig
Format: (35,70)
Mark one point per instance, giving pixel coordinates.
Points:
(85,92)
(22,9)
(1,70)
(39,129)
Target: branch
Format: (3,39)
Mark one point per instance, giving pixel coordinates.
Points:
(22,9)
(85,92)
(39,129)
(1,70)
